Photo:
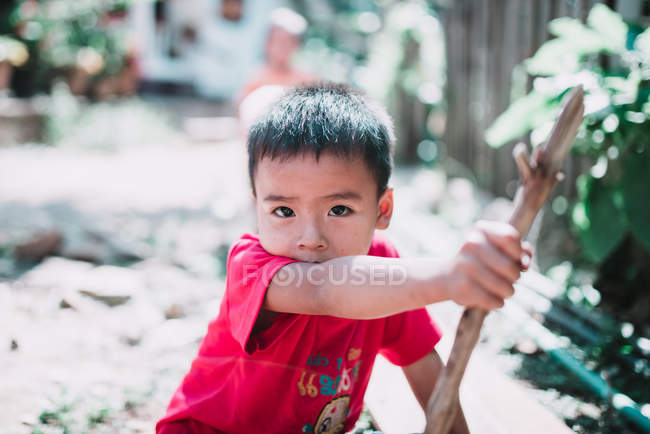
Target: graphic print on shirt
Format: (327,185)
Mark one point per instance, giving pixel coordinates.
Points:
(331,419)
(312,384)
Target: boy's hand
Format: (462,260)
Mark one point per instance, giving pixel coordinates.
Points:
(489,262)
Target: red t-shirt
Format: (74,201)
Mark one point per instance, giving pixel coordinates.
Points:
(305,373)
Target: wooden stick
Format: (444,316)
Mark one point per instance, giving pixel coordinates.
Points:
(539,175)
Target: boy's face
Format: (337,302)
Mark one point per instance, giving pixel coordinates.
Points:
(313,211)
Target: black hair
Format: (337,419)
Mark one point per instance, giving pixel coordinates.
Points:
(324,117)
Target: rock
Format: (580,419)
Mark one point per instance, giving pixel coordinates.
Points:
(174,311)
(108,284)
(85,248)
(108,299)
(14,345)
(39,246)
(72,300)
(175,333)
(57,273)
(94,247)
(174,285)
(131,339)
(111,285)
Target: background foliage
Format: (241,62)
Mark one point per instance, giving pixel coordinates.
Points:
(611,60)
(62,35)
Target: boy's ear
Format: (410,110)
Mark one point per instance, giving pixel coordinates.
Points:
(385,209)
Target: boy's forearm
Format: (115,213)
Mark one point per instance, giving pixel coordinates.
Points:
(366,287)
(460,424)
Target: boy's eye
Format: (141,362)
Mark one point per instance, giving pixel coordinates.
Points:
(339,210)
(283,211)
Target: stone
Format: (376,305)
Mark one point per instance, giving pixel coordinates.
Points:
(108,299)
(71,299)
(55,272)
(98,248)
(131,340)
(39,246)
(175,333)
(175,311)
(111,285)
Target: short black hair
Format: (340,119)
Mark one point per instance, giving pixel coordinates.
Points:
(324,117)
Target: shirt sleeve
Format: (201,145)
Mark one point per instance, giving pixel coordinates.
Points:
(250,269)
(408,336)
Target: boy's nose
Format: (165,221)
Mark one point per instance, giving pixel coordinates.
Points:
(311,238)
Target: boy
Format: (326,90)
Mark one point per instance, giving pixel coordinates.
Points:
(315,295)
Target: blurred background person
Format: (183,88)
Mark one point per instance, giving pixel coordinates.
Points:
(277,73)
(283,41)
(201,47)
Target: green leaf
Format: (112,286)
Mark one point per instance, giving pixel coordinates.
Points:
(606,32)
(556,56)
(599,220)
(576,35)
(523,115)
(609,24)
(624,90)
(636,192)
(563,54)
(642,45)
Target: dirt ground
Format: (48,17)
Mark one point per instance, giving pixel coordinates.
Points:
(86,342)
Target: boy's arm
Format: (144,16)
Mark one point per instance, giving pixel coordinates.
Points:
(366,287)
(422,376)
(368,292)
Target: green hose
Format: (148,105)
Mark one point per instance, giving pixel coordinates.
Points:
(550,343)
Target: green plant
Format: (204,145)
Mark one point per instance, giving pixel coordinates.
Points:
(611,60)
(62,35)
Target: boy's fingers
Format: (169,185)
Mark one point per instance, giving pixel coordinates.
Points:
(486,301)
(526,255)
(504,236)
(527,247)
(496,260)
(491,282)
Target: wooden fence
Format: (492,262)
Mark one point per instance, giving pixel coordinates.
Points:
(485,40)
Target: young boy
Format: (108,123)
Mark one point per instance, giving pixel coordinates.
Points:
(314,296)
